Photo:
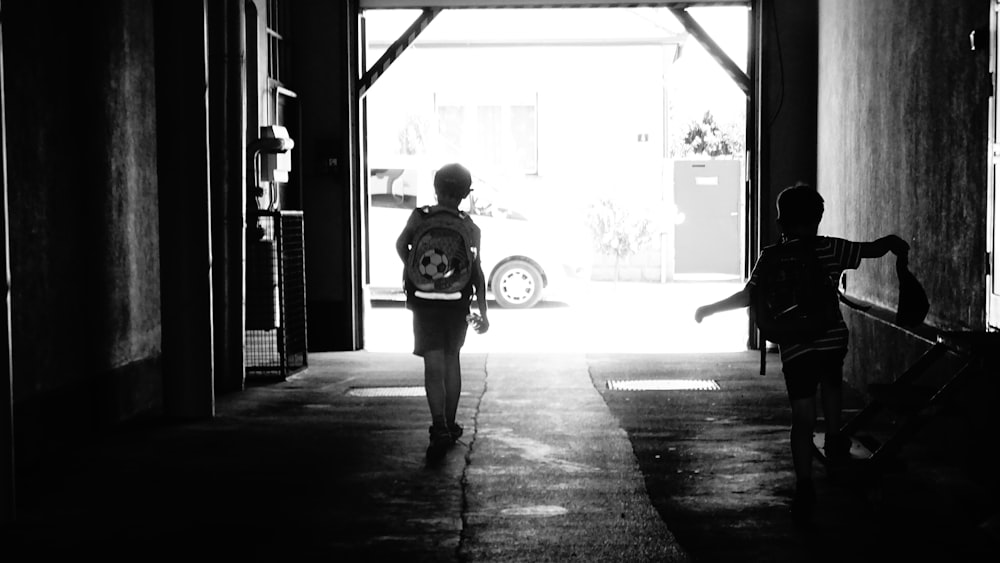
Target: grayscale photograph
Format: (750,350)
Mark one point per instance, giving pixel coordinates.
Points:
(500,281)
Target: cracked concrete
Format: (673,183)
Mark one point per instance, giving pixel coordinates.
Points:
(553,466)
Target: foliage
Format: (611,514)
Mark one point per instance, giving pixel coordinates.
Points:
(706,137)
(618,230)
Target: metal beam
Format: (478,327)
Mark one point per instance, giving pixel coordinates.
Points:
(477,43)
(732,69)
(448,4)
(396,49)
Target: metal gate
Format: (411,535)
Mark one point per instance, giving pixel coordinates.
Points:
(276,344)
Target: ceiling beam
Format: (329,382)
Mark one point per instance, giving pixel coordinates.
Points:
(396,49)
(420,4)
(694,28)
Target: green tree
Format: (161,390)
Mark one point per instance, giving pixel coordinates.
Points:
(706,137)
(618,231)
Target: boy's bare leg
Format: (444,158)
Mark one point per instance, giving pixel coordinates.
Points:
(831,408)
(452,385)
(803,422)
(434,384)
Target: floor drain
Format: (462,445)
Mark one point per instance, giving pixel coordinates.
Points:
(542,511)
(386,392)
(663,385)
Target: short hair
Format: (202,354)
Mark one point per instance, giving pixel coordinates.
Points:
(800,204)
(453,180)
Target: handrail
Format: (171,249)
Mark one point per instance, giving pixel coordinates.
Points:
(923,331)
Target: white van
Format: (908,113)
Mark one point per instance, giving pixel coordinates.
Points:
(523,263)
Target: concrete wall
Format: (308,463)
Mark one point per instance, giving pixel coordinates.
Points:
(902,148)
(125,288)
(902,144)
(83,210)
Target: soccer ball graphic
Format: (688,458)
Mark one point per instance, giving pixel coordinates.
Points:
(434,264)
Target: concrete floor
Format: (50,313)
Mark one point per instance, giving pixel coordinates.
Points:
(554,466)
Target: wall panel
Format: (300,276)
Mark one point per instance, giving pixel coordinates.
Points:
(902,144)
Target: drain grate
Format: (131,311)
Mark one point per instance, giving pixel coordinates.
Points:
(663,385)
(543,510)
(385,392)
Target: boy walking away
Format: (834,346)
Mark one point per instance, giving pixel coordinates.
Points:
(793,291)
(440,248)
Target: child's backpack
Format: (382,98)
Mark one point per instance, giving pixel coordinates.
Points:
(440,263)
(794,299)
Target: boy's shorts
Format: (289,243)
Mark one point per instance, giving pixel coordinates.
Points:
(804,373)
(439,328)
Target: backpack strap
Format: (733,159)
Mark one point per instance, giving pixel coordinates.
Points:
(429,210)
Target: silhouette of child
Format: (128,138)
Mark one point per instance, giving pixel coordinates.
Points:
(440,326)
(817,362)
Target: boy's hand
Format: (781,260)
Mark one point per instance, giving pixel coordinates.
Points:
(884,245)
(479,323)
(898,246)
(700,313)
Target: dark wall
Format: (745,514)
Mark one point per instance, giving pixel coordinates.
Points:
(49,199)
(788,76)
(325,48)
(184,205)
(903,142)
(81,153)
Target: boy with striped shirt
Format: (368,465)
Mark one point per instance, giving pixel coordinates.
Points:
(817,362)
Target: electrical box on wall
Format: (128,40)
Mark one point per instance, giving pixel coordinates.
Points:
(275,166)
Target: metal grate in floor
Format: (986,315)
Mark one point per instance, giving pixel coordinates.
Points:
(385,392)
(663,385)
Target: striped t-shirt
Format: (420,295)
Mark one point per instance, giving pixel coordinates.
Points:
(835,255)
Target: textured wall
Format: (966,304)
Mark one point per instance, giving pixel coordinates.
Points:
(902,144)
(82,188)
(127,293)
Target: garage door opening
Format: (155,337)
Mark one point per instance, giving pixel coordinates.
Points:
(608,150)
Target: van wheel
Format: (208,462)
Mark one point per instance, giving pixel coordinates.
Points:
(517,285)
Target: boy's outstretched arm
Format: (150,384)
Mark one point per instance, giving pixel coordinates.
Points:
(738,300)
(880,247)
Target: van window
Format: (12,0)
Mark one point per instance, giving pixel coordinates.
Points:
(390,201)
(486,202)
(387,189)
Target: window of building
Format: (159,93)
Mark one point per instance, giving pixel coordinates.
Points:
(278,61)
(500,134)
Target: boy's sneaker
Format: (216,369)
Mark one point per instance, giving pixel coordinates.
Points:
(440,439)
(803,502)
(837,448)
(455,430)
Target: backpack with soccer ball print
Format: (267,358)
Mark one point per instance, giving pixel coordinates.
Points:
(441,259)
(795,300)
